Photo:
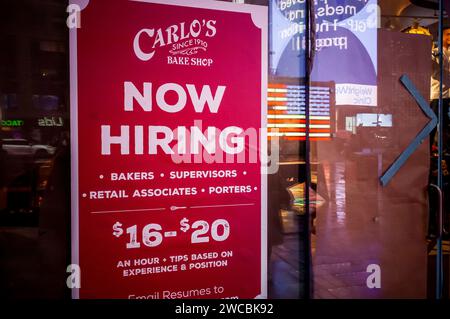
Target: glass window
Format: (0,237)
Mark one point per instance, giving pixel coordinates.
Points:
(353,207)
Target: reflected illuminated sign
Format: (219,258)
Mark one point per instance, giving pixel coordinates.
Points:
(287,111)
(344,43)
(12,123)
(373,120)
(51,121)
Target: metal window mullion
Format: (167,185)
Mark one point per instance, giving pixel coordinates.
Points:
(439,259)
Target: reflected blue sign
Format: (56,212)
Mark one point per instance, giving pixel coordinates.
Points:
(345,45)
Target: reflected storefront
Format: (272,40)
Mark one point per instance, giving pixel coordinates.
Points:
(353,208)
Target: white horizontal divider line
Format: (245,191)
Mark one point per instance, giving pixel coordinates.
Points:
(126,210)
(159,209)
(210,206)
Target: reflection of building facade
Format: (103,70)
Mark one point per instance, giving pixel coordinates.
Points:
(33,82)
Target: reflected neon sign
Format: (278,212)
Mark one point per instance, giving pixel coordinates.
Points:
(12,123)
(51,121)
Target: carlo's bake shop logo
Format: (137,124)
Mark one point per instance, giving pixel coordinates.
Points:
(184,40)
